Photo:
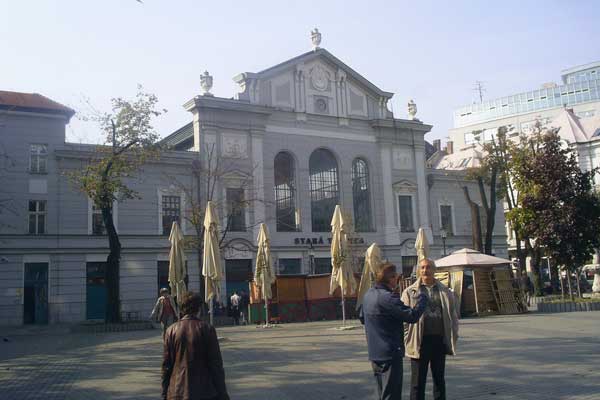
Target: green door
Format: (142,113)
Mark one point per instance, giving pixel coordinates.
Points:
(96,290)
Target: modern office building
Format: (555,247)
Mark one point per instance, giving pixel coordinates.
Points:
(299,138)
(578,91)
(573,107)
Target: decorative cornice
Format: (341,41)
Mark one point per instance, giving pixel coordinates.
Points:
(401,124)
(219,103)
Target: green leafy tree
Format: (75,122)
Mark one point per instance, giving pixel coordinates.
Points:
(130,141)
(558,213)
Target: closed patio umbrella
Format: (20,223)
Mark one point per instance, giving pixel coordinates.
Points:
(263,275)
(341,271)
(422,245)
(177,270)
(372,265)
(211,259)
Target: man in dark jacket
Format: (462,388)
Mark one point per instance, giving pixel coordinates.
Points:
(192,365)
(384,315)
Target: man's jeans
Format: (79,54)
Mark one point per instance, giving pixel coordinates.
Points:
(433,352)
(388,378)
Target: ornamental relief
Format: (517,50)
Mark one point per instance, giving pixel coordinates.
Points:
(235,146)
(319,78)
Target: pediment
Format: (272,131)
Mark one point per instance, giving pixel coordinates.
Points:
(405,186)
(236,175)
(319,68)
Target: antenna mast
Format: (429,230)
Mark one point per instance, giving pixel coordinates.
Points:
(479,89)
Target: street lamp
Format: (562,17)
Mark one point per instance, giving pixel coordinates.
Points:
(311,258)
(444,235)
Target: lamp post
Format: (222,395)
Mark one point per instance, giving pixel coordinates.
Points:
(444,235)
(311,258)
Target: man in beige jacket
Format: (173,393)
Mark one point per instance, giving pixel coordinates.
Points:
(429,341)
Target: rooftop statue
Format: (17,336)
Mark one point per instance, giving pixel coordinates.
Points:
(315,36)
(412,110)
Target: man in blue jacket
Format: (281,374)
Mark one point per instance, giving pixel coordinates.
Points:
(384,315)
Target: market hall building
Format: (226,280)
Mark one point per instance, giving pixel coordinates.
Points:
(300,137)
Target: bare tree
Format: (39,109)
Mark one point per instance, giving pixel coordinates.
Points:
(208,175)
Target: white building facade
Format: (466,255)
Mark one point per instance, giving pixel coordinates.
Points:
(303,136)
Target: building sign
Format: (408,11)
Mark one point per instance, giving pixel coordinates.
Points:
(319,240)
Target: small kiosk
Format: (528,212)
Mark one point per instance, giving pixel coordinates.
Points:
(483,284)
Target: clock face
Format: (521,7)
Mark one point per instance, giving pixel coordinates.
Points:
(321,105)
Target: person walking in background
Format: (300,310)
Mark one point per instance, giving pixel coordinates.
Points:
(235,308)
(527,287)
(245,301)
(434,336)
(192,365)
(383,315)
(165,310)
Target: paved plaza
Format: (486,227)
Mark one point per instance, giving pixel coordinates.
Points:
(533,356)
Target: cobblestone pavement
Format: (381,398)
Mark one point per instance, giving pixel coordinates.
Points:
(533,356)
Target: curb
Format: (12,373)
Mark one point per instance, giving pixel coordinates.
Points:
(568,306)
(102,328)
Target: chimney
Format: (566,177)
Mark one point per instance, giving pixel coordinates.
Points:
(437,144)
(449,147)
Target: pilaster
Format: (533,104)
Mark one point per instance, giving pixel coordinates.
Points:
(389,227)
(257,137)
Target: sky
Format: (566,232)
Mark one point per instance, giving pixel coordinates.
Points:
(82,53)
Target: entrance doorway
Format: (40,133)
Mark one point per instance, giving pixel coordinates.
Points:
(163,275)
(35,300)
(96,294)
(237,273)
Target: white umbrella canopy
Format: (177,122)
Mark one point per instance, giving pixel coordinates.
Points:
(341,269)
(422,245)
(212,269)
(263,275)
(470,257)
(177,270)
(371,267)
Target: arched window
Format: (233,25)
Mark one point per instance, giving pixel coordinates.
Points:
(361,195)
(285,192)
(324,189)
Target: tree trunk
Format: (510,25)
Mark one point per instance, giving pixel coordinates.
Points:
(113,306)
(562,284)
(578,282)
(489,209)
(569,285)
(475,221)
(520,255)
(535,253)
(555,278)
